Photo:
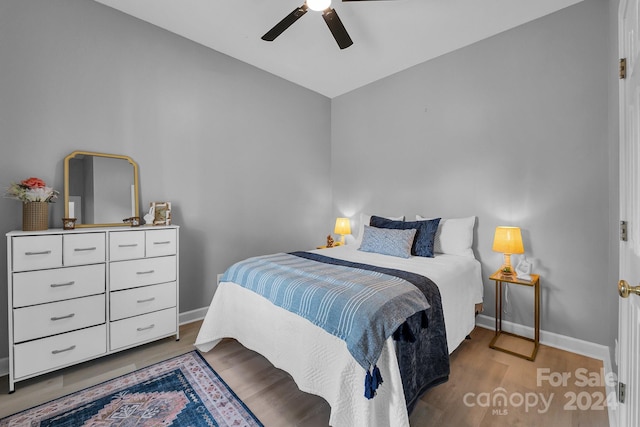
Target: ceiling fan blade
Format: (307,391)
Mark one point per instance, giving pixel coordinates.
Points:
(285,23)
(337,29)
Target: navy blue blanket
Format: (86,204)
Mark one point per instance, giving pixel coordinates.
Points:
(424,362)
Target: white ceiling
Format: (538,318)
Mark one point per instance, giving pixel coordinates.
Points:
(389,36)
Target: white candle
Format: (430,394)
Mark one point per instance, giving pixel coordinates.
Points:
(71,210)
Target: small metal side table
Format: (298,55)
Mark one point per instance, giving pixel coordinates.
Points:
(501,278)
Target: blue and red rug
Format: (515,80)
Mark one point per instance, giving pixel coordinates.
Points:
(183,391)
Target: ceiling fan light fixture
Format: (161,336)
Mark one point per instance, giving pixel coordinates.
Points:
(318,5)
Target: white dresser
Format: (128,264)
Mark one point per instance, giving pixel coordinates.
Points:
(75,295)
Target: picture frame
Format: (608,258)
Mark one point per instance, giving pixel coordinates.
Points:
(68,223)
(161,213)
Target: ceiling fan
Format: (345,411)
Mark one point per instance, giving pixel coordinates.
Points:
(328,14)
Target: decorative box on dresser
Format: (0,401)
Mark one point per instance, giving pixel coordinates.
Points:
(75,295)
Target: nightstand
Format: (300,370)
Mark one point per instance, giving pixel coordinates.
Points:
(501,279)
(328,247)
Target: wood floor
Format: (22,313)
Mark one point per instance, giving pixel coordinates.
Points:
(469,398)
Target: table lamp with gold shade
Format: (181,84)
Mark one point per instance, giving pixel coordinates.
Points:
(343,227)
(508,240)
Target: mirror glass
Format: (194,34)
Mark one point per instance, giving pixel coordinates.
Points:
(100,189)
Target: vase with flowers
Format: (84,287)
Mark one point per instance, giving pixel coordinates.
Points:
(35,197)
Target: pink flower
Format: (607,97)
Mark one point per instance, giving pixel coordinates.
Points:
(33,183)
(31,190)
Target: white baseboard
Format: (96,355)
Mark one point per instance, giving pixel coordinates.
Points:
(4,366)
(574,345)
(562,342)
(192,316)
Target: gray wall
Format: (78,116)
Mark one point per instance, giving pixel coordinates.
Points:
(516,130)
(243,156)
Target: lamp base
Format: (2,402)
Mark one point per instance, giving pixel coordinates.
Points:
(507,274)
(507,269)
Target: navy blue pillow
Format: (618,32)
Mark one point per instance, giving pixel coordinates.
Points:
(423,243)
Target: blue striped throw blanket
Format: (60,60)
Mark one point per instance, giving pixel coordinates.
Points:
(359,306)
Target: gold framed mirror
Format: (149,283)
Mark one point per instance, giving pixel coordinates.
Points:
(100,190)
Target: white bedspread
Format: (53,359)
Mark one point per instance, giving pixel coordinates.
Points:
(318,361)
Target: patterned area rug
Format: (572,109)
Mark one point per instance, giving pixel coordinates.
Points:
(183,391)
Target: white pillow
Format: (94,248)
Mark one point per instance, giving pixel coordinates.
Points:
(366,218)
(454,235)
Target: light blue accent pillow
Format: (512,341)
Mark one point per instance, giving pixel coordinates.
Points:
(387,241)
(425,233)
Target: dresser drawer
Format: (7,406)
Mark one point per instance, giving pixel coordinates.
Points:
(142,272)
(36,252)
(61,350)
(136,301)
(139,329)
(57,317)
(160,242)
(126,245)
(82,249)
(38,287)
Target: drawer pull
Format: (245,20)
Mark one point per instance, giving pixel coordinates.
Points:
(63,350)
(59,285)
(128,245)
(151,326)
(140,301)
(38,253)
(145,272)
(166,242)
(68,316)
(85,249)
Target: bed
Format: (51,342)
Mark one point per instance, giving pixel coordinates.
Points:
(320,362)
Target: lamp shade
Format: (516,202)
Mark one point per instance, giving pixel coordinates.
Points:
(508,240)
(343,226)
